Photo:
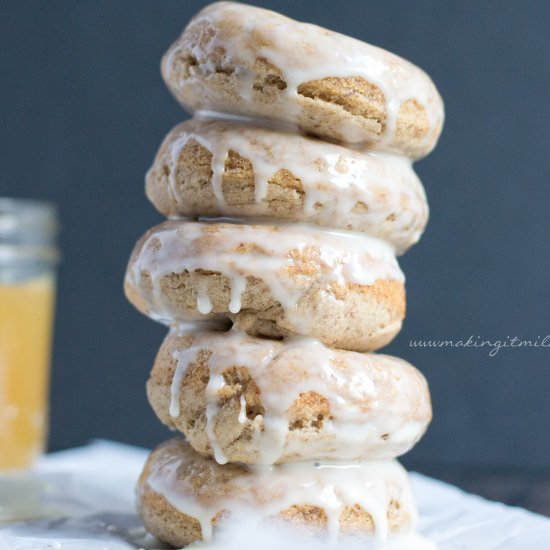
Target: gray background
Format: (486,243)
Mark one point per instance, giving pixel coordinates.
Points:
(83,110)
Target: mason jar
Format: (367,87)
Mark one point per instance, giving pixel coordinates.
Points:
(28,261)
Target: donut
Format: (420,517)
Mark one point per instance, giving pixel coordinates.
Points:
(251,62)
(345,289)
(240,398)
(223,168)
(184,497)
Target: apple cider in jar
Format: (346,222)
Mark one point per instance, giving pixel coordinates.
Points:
(28,259)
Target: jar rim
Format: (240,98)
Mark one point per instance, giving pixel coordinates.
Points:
(32,218)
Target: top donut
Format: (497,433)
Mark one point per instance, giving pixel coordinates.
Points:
(246,61)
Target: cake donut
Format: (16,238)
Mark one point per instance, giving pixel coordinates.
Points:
(184,498)
(342,288)
(222,168)
(245,399)
(251,62)
(289,195)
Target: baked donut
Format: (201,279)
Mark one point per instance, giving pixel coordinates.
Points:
(222,168)
(247,61)
(289,193)
(184,497)
(245,399)
(343,289)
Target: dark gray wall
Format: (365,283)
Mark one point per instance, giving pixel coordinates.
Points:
(84,109)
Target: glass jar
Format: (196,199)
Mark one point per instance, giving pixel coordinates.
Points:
(28,260)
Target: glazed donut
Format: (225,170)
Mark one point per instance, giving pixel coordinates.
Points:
(245,399)
(221,168)
(184,498)
(251,62)
(341,288)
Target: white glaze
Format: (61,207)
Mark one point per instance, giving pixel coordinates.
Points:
(303,53)
(204,305)
(338,179)
(342,257)
(261,493)
(379,405)
(335,180)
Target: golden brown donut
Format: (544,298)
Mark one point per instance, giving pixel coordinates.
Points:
(184,497)
(248,61)
(343,289)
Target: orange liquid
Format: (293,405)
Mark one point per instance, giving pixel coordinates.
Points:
(26,315)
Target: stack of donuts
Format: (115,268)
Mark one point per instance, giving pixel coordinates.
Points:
(289,194)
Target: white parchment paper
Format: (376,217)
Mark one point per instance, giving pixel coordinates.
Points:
(83,499)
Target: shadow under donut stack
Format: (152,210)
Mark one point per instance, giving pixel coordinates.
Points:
(289,194)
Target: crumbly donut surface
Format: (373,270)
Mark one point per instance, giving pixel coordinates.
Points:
(223,168)
(272,281)
(243,60)
(276,402)
(289,193)
(177,484)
